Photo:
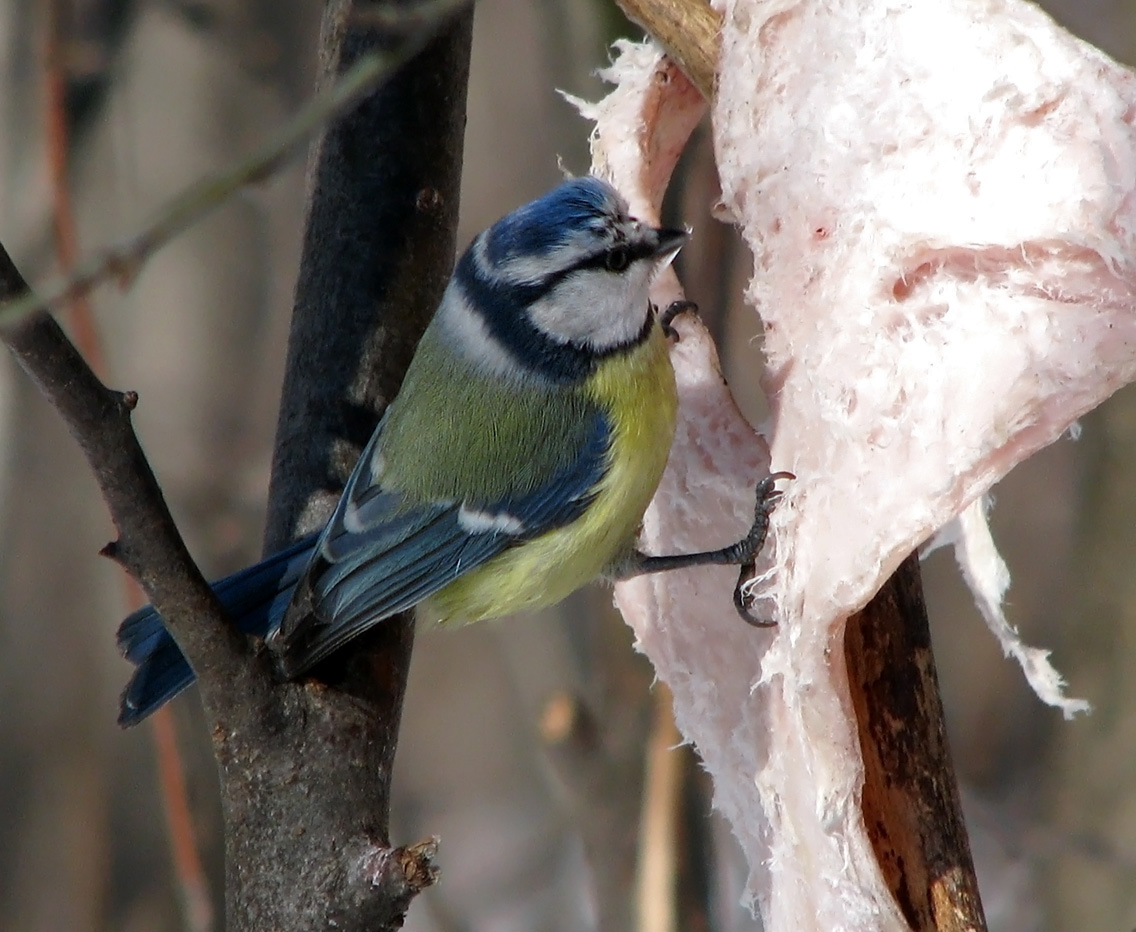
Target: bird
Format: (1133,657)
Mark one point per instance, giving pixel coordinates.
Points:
(514,465)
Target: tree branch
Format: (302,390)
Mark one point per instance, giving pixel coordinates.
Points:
(687,29)
(149,544)
(378,251)
(910,799)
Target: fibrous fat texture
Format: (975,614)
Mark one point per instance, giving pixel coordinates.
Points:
(939,201)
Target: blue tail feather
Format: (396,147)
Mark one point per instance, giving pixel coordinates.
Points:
(255,599)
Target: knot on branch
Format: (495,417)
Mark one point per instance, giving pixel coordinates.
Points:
(418,863)
(394,876)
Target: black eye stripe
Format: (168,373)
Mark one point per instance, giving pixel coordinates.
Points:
(635,252)
(503,306)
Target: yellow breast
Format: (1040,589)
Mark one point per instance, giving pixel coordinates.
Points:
(637,391)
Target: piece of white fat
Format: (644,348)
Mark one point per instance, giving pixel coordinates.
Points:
(939,199)
(940,209)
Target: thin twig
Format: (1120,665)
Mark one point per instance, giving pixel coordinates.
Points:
(196,902)
(149,544)
(656,894)
(63,217)
(124,261)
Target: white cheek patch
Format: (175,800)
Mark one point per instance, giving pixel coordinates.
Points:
(596,308)
(473,521)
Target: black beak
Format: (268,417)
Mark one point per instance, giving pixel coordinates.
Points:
(670,242)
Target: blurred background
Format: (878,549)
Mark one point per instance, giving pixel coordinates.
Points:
(525,742)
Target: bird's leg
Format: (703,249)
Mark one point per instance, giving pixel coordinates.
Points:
(672,310)
(743,553)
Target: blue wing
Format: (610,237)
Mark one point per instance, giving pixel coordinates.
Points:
(378,556)
(381,554)
(255,598)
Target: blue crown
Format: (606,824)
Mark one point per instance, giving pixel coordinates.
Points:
(579,205)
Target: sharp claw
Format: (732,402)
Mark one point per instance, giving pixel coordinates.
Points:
(742,604)
(769,482)
(767,495)
(666,318)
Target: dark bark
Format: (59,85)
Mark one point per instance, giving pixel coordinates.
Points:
(306,780)
(378,251)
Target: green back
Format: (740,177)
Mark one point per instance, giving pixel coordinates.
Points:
(453,432)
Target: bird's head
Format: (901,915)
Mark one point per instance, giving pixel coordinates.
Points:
(567,272)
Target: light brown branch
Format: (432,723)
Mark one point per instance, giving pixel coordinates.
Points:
(196,902)
(58,150)
(910,798)
(687,29)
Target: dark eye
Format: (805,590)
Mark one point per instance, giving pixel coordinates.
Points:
(617,259)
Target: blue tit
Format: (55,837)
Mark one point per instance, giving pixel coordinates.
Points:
(515,465)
